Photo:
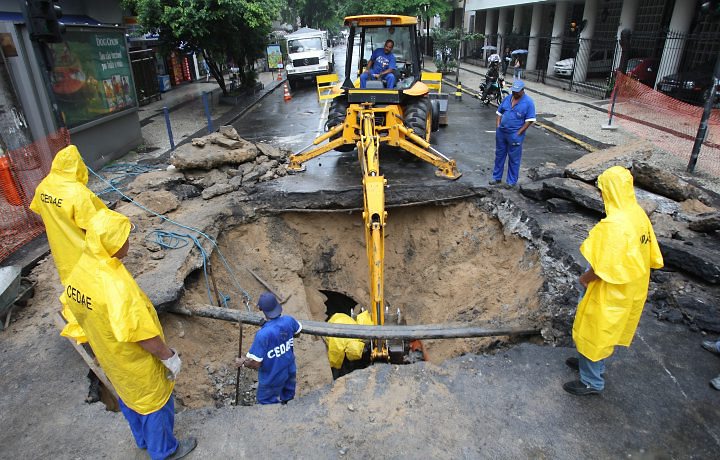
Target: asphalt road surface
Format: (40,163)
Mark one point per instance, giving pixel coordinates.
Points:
(469,139)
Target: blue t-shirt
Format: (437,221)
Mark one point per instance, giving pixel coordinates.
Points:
(382,61)
(273,347)
(514,117)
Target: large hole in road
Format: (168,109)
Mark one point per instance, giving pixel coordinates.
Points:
(443,264)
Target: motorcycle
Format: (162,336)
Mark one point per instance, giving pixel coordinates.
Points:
(493,90)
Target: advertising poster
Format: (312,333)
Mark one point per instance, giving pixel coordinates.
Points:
(91,75)
(274,57)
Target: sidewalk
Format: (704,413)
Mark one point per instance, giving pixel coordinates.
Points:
(187,112)
(573,113)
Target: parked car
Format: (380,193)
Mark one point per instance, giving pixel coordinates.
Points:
(599,64)
(643,70)
(692,86)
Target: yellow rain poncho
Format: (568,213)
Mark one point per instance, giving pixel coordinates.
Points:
(621,250)
(339,348)
(115,314)
(66,206)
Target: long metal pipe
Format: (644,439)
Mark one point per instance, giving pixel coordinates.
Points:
(410,332)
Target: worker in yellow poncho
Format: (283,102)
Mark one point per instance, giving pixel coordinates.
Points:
(123,328)
(66,206)
(345,353)
(621,249)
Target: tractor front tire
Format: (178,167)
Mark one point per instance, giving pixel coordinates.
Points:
(336,116)
(418,117)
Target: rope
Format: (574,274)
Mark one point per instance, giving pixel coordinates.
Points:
(170,239)
(124,171)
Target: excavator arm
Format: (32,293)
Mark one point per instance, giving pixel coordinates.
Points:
(374,217)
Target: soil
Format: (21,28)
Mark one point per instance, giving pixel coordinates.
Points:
(443,265)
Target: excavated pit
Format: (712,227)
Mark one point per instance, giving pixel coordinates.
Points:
(443,264)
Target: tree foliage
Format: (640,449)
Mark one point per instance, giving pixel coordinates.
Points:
(222,30)
(318,14)
(446,43)
(422,8)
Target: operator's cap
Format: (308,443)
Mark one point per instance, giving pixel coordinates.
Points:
(517,86)
(269,305)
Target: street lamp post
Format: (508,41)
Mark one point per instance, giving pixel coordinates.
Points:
(426,8)
(459,50)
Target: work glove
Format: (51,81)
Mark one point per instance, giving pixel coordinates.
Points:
(173,364)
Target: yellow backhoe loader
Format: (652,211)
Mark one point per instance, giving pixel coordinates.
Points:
(369,119)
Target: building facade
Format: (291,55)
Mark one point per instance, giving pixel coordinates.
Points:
(674,34)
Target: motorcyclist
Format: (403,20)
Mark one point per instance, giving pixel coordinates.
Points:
(492,76)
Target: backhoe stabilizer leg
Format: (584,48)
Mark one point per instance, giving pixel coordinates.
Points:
(446,168)
(296,161)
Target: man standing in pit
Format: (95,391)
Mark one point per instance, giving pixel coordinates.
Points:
(123,328)
(514,116)
(381,66)
(272,353)
(621,249)
(66,206)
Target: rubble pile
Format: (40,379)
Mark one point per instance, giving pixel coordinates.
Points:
(204,187)
(223,162)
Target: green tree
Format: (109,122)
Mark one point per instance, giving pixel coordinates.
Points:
(318,14)
(422,8)
(219,29)
(446,43)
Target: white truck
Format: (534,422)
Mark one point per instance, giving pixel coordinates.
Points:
(308,55)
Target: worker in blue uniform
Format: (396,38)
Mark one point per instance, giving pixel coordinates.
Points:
(272,353)
(514,116)
(381,66)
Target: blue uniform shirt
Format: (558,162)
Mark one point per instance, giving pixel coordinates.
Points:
(513,118)
(273,347)
(382,61)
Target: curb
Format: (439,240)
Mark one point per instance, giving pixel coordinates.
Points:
(231,116)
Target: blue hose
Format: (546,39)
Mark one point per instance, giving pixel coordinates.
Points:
(172,240)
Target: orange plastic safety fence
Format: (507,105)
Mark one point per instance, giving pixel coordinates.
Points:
(668,123)
(21,171)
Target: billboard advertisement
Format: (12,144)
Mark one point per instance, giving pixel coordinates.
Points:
(274,57)
(91,75)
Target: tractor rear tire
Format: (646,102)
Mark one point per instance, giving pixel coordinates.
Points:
(336,116)
(416,117)
(435,115)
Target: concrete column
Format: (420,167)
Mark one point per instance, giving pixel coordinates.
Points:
(627,15)
(535,28)
(627,21)
(558,30)
(674,47)
(518,19)
(501,29)
(489,27)
(583,55)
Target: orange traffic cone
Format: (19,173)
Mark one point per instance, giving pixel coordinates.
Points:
(279,78)
(7,183)
(287,95)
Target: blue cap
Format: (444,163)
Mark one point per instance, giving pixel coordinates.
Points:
(269,305)
(517,86)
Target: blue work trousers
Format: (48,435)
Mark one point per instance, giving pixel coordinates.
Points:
(507,145)
(591,372)
(153,431)
(281,392)
(388,78)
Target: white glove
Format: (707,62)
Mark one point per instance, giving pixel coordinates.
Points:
(173,364)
